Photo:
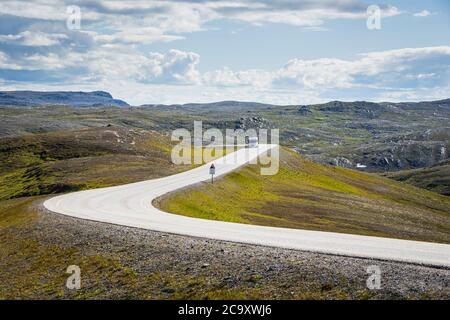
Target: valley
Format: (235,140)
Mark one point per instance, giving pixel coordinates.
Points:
(50,149)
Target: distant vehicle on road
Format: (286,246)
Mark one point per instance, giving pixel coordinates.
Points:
(252,142)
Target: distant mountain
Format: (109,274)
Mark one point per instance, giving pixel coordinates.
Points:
(67,98)
(364,109)
(368,136)
(217,106)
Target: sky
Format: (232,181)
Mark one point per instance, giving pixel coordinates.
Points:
(279,52)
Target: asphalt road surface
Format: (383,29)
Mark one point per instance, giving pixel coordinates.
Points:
(131,205)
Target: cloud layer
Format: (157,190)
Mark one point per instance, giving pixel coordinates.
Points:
(37,50)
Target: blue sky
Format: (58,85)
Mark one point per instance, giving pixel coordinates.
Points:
(281,52)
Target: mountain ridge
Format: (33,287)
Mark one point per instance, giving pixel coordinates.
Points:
(104,98)
(67,98)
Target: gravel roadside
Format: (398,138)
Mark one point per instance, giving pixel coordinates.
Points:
(166,266)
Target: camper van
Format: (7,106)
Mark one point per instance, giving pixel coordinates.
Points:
(252,142)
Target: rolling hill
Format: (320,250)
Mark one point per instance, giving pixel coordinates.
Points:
(311,196)
(108,146)
(435,178)
(66,98)
(366,136)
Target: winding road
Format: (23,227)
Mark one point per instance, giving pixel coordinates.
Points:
(131,205)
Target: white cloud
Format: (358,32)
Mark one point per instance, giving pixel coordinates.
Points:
(315,73)
(110,43)
(37,38)
(120,62)
(404,73)
(423,13)
(174,67)
(54,10)
(36,61)
(144,35)
(111,52)
(310,18)
(385,74)
(7,63)
(228,78)
(371,69)
(152,21)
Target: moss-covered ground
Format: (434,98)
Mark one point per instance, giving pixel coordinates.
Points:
(311,196)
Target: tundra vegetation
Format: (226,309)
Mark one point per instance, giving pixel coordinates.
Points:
(307,195)
(46,150)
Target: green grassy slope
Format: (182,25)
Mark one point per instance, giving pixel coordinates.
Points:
(384,137)
(435,178)
(35,165)
(77,159)
(311,196)
(36,247)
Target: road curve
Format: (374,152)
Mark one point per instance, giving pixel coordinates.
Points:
(131,205)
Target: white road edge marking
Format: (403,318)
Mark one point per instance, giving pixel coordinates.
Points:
(131,205)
